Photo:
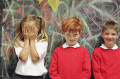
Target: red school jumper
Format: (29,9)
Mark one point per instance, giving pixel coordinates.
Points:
(106,63)
(70,63)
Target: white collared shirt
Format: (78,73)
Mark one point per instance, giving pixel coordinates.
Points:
(28,67)
(104,47)
(75,46)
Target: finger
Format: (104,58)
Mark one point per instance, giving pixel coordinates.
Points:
(35,31)
(25,30)
(29,31)
(32,30)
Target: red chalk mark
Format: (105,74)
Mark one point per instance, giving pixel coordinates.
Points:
(48,14)
(19,11)
(42,4)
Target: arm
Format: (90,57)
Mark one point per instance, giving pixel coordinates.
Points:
(53,69)
(96,66)
(86,66)
(23,56)
(25,51)
(33,51)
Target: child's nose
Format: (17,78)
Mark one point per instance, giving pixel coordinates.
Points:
(72,37)
(110,36)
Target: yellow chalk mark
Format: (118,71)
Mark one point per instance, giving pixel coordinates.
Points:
(54,4)
(40,1)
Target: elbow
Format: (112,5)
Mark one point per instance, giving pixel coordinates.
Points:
(35,59)
(23,59)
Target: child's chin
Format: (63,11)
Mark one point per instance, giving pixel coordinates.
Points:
(72,44)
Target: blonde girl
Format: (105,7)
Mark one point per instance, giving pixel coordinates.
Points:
(30,45)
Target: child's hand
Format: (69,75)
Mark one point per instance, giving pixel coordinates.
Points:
(32,33)
(25,32)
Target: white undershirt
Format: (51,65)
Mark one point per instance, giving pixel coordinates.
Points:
(104,47)
(29,68)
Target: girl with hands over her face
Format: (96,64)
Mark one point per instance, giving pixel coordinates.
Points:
(30,45)
(29,33)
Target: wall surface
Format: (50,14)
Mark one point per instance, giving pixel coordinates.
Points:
(92,13)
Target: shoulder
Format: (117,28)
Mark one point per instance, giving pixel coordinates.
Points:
(41,42)
(82,48)
(19,44)
(118,48)
(97,51)
(58,48)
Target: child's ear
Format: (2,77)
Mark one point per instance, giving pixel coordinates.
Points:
(63,32)
(80,32)
(118,35)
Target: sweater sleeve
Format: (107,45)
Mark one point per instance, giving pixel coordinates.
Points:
(96,65)
(53,69)
(86,66)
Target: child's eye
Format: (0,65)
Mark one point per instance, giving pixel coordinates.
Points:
(113,34)
(68,34)
(107,34)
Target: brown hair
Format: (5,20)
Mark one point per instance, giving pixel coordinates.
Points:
(110,24)
(18,31)
(72,24)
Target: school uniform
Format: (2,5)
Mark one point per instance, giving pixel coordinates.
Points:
(106,62)
(70,62)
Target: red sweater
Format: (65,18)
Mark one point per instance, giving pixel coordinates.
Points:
(106,63)
(70,63)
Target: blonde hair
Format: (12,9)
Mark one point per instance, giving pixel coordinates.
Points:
(72,24)
(110,24)
(18,31)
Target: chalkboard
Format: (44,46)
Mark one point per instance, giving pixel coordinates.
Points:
(92,13)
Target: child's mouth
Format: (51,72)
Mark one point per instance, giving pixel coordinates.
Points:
(71,40)
(109,39)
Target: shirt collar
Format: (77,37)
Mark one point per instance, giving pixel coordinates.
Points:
(75,46)
(104,47)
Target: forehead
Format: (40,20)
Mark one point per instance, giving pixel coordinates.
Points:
(109,30)
(67,32)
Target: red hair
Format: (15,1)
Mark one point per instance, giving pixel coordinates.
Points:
(72,24)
